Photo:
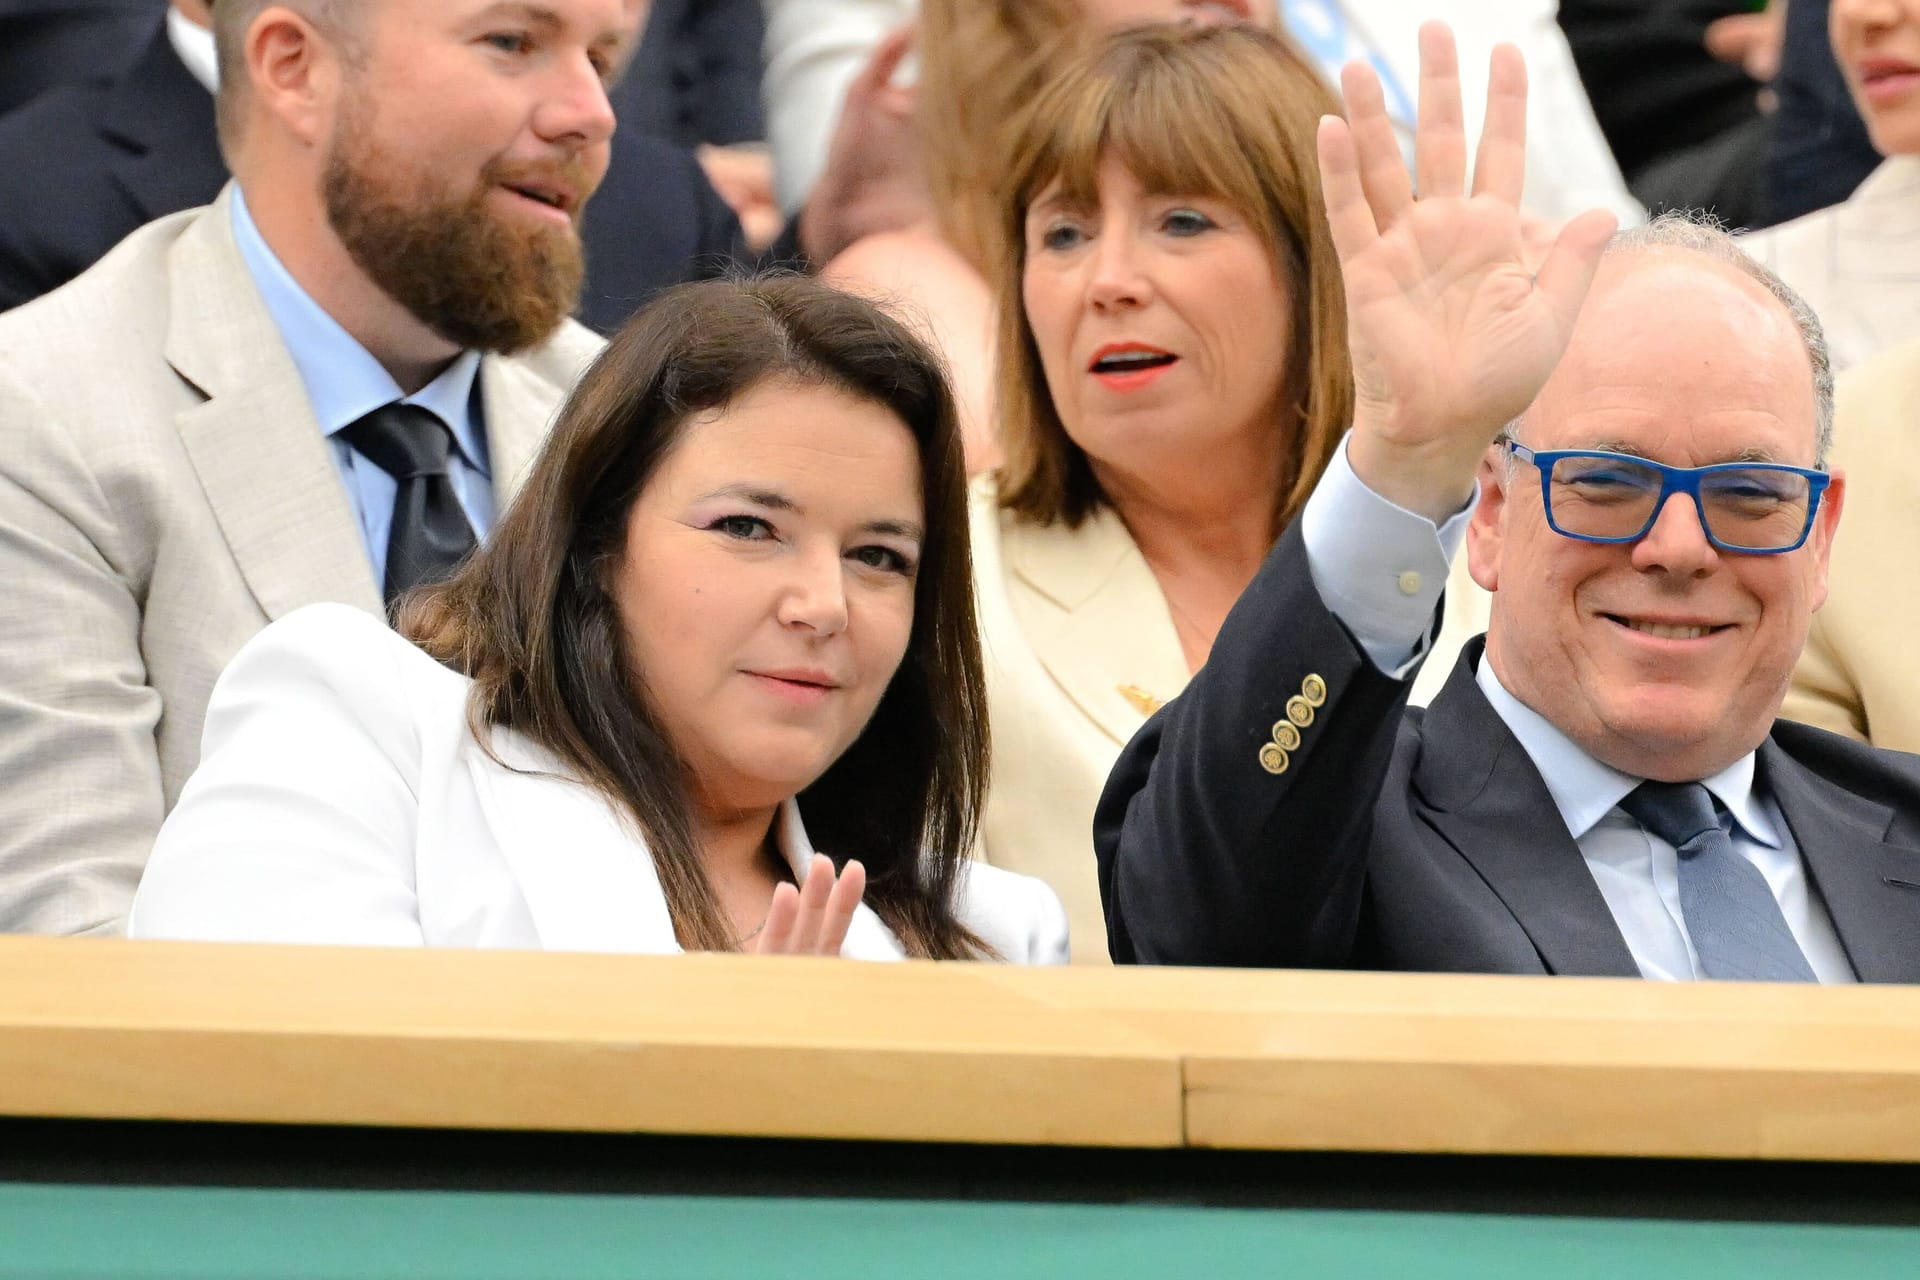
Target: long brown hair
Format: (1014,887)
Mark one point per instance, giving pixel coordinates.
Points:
(1225,112)
(530,619)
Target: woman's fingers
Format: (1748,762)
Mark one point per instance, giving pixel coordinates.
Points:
(840,908)
(776,935)
(815,892)
(1440,137)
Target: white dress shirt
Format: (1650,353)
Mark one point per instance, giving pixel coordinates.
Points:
(1379,568)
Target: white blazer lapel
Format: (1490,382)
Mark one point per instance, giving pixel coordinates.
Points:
(588,879)
(254,442)
(519,407)
(868,938)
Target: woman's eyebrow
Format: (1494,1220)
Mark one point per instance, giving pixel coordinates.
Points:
(769,498)
(896,529)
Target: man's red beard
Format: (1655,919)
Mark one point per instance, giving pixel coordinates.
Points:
(473,276)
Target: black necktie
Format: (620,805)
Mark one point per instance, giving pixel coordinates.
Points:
(429,535)
(1736,925)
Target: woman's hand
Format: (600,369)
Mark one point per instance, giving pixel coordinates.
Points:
(1452,333)
(812,920)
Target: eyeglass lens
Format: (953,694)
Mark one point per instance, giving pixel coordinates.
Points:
(1752,508)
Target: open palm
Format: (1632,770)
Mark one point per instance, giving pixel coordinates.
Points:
(1451,332)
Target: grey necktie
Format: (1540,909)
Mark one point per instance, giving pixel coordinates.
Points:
(429,535)
(1730,912)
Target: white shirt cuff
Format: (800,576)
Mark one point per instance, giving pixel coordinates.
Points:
(1379,568)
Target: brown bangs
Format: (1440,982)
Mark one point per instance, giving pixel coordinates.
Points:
(1229,114)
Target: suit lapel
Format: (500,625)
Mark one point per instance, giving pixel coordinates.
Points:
(1488,801)
(1863,880)
(1100,625)
(166,146)
(588,880)
(254,443)
(519,407)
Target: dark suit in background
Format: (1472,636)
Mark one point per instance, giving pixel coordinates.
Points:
(88,164)
(696,76)
(1402,841)
(44,43)
(1685,127)
(1821,151)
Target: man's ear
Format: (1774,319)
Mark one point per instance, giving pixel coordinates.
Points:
(1487,526)
(1826,523)
(294,73)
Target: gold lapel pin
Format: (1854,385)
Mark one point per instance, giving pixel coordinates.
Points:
(1143,702)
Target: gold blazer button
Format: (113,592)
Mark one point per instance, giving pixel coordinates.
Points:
(1285,736)
(1273,759)
(1300,711)
(1314,690)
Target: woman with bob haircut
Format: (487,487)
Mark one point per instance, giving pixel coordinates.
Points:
(734,591)
(1173,381)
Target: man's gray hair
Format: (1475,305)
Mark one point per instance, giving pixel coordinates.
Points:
(1699,232)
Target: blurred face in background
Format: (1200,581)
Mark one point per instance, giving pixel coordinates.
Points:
(1111,15)
(1161,323)
(1877,44)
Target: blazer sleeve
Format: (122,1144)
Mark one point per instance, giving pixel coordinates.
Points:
(300,823)
(1207,855)
(83,793)
(1020,917)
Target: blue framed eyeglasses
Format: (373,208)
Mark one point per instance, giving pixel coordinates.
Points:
(1754,508)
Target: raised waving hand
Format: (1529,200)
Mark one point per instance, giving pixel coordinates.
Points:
(1452,333)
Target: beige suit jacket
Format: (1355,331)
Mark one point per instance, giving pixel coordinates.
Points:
(1858,263)
(164,492)
(1080,649)
(1857,674)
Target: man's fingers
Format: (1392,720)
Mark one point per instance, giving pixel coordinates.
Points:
(1500,167)
(1348,216)
(1440,137)
(1568,271)
(776,935)
(841,906)
(1376,150)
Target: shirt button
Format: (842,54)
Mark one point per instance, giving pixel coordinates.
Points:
(1410,583)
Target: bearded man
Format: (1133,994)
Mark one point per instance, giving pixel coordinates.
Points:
(323,386)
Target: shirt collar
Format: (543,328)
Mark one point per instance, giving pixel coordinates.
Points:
(344,382)
(194,46)
(1585,790)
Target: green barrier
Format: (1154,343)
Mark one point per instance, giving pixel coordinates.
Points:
(146,1233)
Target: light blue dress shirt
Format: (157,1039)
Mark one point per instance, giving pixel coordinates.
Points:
(345,383)
(1365,553)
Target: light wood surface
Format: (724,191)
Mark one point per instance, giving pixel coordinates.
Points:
(970,1053)
(723,1045)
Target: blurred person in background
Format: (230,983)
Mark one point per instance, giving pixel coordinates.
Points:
(713,685)
(45,43)
(1857,262)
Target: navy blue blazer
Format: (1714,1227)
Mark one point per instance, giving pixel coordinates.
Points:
(1289,810)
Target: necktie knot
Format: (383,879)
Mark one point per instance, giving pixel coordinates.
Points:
(403,440)
(1677,812)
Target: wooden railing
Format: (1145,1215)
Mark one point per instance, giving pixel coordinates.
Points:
(727,1045)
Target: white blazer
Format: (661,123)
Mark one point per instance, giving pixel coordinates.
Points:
(341,798)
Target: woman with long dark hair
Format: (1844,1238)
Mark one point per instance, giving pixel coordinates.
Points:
(728,622)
